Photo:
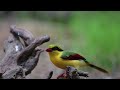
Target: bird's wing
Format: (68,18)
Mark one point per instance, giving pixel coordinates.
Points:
(71,56)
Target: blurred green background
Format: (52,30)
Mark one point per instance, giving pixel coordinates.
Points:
(93,34)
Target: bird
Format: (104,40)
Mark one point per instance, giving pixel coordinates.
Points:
(62,58)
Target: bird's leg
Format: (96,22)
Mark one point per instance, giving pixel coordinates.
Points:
(65,74)
(62,76)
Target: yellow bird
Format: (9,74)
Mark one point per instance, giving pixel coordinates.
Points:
(62,59)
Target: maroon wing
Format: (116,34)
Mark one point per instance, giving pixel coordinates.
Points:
(72,56)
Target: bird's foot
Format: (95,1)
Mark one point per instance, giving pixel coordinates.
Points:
(62,76)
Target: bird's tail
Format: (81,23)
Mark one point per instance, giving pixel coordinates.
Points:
(96,67)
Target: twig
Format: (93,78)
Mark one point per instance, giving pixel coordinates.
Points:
(50,75)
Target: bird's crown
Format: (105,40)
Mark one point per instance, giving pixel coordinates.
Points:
(52,46)
(55,47)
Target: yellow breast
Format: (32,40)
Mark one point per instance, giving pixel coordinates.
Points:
(61,63)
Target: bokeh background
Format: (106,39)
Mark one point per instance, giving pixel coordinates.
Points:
(93,34)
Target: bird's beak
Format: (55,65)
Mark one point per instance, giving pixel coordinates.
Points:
(49,50)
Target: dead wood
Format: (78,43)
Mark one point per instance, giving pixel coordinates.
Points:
(20,58)
(73,73)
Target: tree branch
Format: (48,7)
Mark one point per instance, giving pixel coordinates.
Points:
(72,73)
(20,58)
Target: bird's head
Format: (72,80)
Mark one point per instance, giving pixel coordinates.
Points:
(52,48)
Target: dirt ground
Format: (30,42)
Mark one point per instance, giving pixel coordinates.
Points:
(44,65)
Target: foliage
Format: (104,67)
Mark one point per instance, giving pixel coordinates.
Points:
(97,35)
